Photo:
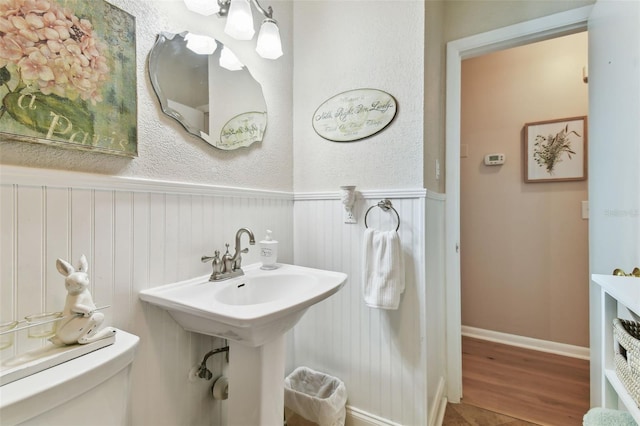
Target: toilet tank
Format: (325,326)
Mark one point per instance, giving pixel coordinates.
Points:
(92,389)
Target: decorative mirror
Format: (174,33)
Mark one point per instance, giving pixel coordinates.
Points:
(210,93)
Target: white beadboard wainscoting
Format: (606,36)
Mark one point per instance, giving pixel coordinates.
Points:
(136,234)
(392,362)
(139,233)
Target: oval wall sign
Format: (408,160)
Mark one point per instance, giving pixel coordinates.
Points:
(243,130)
(353,115)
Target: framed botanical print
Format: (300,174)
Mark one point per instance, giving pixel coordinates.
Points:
(555,150)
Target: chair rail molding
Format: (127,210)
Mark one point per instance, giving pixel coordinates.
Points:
(63,179)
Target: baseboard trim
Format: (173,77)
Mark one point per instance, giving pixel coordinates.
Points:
(527,342)
(357,417)
(437,408)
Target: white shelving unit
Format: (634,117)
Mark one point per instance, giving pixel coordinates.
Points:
(615,291)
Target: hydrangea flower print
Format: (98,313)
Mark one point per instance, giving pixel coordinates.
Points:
(51,65)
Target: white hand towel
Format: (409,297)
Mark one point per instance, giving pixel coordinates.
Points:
(383,269)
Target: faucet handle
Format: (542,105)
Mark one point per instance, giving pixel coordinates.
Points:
(216,264)
(206,259)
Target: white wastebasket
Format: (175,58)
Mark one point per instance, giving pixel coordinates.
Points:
(315,396)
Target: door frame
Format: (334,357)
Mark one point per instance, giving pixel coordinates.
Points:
(548,27)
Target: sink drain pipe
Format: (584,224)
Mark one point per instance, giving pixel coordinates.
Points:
(203,372)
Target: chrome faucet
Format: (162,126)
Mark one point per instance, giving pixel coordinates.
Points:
(229,266)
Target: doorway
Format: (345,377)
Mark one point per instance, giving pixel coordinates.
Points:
(540,29)
(525,243)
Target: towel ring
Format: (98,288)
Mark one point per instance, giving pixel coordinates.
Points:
(384,205)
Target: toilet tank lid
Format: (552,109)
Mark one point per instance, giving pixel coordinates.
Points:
(41,391)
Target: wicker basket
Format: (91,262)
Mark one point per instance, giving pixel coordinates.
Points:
(626,336)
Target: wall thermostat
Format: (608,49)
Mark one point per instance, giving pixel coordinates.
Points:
(494,159)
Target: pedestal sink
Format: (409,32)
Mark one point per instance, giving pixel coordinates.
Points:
(252,311)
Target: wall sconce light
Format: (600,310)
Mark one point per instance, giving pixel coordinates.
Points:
(348,199)
(240,22)
(203,7)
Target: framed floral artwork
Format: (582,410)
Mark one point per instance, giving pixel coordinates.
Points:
(555,150)
(68,75)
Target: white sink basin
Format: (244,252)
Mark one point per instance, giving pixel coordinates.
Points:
(251,309)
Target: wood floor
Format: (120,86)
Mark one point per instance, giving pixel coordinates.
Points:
(468,415)
(536,387)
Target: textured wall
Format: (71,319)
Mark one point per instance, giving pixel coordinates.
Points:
(434,96)
(165,150)
(359,44)
(525,244)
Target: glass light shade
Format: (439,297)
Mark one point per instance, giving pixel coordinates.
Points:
(269,45)
(203,7)
(240,20)
(202,45)
(229,60)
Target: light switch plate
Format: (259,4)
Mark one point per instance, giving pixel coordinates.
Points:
(585,210)
(464,150)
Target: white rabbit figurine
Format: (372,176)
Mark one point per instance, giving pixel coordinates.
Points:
(75,328)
